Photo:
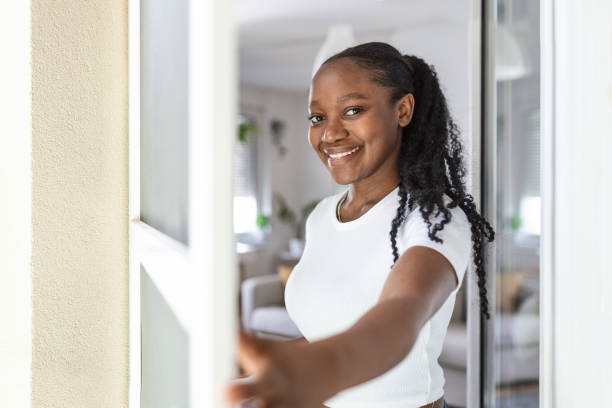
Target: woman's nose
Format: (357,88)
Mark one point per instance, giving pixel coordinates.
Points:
(333,132)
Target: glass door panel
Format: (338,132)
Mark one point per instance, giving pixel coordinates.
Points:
(512,184)
(164,147)
(164,351)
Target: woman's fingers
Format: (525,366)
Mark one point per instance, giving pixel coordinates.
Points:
(253,359)
(254,403)
(259,358)
(242,389)
(250,352)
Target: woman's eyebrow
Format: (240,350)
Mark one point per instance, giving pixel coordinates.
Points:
(352,95)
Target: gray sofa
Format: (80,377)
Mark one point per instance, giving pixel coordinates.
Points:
(263,308)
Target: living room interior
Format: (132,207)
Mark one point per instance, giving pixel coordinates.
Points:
(278,178)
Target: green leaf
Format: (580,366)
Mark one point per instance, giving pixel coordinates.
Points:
(262,220)
(515,222)
(244,129)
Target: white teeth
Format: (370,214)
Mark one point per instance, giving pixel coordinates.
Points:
(338,155)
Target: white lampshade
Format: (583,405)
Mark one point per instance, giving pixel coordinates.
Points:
(509,59)
(339,37)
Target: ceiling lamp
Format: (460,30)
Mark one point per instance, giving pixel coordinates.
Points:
(339,37)
(509,59)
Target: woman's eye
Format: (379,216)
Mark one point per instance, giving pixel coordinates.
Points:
(310,118)
(318,118)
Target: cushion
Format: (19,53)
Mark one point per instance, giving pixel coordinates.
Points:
(275,320)
(531,305)
(517,330)
(508,284)
(283,272)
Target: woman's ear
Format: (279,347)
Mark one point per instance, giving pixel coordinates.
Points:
(405,109)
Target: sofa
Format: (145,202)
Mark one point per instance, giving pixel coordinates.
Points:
(263,311)
(517,336)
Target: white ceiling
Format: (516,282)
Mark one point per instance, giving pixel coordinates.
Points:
(279,39)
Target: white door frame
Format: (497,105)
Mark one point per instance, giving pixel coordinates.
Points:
(197,281)
(575,307)
(473,358)
(547,211)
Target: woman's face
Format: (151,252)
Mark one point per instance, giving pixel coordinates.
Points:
(354,128)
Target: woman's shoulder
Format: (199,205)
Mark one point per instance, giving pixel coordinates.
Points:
(456,214)
(456,227)
(454,239)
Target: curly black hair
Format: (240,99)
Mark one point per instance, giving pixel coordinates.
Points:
(431,158)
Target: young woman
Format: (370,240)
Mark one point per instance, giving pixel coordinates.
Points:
(375,287)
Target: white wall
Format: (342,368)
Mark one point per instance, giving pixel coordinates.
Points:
(447,46)
(577,178)
(15,200)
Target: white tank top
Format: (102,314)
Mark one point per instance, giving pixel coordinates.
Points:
(340,277)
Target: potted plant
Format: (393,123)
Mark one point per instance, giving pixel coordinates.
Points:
(246,127)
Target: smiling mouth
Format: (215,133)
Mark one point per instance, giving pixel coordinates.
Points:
(340,159)
(339,155)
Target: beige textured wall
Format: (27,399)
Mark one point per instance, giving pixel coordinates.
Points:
(79,204)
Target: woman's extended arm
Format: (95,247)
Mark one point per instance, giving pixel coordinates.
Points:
(300,374)
(419,283)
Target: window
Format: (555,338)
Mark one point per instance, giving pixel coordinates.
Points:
(246,205)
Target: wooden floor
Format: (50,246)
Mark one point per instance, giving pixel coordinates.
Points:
(517,389)
(510,390)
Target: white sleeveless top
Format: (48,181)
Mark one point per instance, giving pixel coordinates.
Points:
(340,277)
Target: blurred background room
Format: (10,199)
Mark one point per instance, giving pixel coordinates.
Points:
(278,177)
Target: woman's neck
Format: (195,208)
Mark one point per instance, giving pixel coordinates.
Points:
(363,196)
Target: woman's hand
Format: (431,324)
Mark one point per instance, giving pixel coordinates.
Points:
(285,374)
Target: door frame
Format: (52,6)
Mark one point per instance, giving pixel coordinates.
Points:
(201,289)
(488,175)
(473,380)
(547,210)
